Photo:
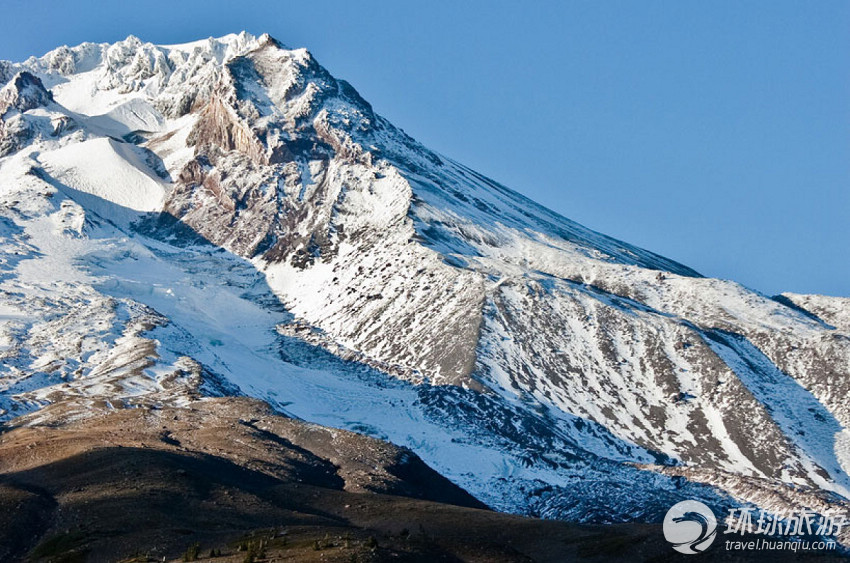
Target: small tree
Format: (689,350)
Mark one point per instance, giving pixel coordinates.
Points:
(192,552)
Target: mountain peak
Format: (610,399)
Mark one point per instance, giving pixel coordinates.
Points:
(225,214)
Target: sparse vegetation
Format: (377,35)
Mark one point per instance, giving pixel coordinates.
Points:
(254,550)
(64,548)
(192,552)
(138,557)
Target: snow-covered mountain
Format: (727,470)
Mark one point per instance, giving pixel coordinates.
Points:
(226,217)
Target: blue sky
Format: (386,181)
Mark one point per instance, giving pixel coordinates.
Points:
(714,133)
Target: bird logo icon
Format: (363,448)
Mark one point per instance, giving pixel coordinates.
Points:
(690,526)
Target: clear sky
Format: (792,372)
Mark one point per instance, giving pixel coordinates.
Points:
(715,133)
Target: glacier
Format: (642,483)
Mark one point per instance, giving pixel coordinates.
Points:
(225,217)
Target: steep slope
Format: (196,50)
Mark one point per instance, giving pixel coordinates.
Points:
(228,215)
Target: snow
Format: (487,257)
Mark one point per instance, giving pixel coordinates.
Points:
(842,450)
(171,145)
(104,171)
(81,95)
(545,367)
(133,115)
(224,48)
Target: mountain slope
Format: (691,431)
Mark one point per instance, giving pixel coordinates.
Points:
(226,215)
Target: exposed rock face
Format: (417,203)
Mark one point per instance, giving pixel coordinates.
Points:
(312,254)
(6,72)
(218,128)
(23,92)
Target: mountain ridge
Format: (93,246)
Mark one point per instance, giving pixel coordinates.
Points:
(288,230)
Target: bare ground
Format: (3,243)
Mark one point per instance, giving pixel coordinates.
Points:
(228,478)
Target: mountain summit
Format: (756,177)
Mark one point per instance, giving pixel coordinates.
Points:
(225,217)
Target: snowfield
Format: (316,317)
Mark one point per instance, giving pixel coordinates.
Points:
(225,215)
(108,171)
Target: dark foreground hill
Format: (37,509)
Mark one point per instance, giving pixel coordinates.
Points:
(227,476)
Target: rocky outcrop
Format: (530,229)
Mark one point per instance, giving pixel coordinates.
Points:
(360,265)
(219,129)
(6,72)
(23,93)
